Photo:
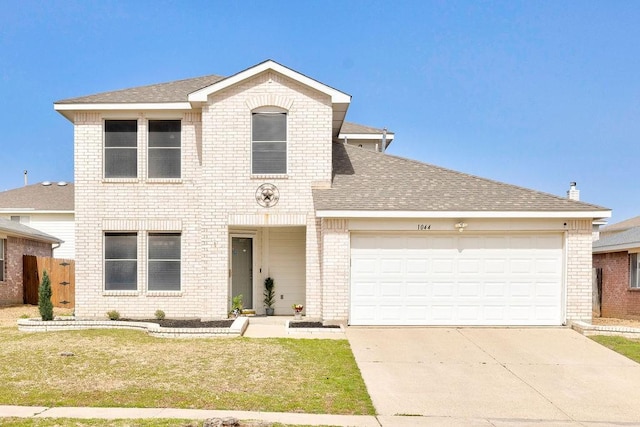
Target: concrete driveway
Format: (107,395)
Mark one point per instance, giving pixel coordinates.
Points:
(495,377)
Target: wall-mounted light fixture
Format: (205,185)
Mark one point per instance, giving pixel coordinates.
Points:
(460,226)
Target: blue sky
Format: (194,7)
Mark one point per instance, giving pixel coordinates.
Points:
(533,93)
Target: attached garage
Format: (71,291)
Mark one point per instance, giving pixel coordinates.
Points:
(457,279)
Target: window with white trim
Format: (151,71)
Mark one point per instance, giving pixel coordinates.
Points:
(634,271)
(120,148)
(164,261)
(120,261)
(164,148)
(269,143)
(2,260)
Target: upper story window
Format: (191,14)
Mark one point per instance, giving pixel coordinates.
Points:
(164,148)
(120,149)
(634,271)
(269,143)
(121,261)
(164,261)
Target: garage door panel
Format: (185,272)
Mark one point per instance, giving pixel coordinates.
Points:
(456,280)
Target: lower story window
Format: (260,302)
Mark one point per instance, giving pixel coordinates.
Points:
(121,261)
(164,261)
(634,271)
(1,260)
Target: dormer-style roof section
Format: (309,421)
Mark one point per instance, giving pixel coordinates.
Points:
(192,93)
(370,184)
(356,134)
(13,228)
(51,197)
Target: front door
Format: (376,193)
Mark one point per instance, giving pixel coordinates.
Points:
(242,269)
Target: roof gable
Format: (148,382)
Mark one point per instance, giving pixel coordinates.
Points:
(364,180)
(269,65)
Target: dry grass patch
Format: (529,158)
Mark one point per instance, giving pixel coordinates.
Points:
(131,369)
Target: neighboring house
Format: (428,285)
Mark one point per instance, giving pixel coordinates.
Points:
(191,192)
(17,240)
(47,207)
(616,253)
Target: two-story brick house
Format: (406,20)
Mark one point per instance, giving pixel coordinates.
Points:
(191,192)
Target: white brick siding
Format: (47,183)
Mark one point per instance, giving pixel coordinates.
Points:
(215,193)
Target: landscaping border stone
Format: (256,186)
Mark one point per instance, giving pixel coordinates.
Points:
(237,328)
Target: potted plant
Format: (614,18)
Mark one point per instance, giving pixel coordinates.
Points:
(269,296)
(297,310)
(236,305)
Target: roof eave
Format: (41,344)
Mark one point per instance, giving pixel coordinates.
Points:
(67,110)
(327,213)
(623,247)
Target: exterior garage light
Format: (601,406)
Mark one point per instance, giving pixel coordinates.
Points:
(460,226)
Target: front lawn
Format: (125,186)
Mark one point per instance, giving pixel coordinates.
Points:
(624,346)
(120,368)
(74,422)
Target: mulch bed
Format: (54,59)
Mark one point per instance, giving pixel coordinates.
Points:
(294,324)
(186,323)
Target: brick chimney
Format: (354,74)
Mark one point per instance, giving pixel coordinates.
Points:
(573,193)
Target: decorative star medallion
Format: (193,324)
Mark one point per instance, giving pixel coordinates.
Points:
(267,195)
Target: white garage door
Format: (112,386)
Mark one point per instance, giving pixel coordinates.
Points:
(461,279)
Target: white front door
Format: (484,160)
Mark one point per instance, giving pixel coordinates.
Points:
(461,279)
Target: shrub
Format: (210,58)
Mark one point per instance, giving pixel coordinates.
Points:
(45,306)
(159,314)
(113,315)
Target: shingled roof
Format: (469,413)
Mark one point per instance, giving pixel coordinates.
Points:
(623,240)
(176,91)
(364,180)
(14,228)
(349,127)
(38,197)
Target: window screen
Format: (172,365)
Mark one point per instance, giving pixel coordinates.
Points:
(120,149)
(1,260)
(269,143)
(634,277)
(164,148)
(164,262)
(120,261)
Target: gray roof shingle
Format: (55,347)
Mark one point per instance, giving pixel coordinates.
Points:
(348,127)
(16,229)
(176,91)
(39,197)
(370,181)
(628,238)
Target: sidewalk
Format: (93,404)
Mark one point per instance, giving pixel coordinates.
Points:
(190,414)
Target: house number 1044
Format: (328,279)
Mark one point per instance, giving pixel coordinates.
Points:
(423,227)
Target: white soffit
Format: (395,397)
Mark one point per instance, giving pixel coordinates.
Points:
(389,136)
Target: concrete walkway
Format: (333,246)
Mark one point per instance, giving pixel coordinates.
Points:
(495,377)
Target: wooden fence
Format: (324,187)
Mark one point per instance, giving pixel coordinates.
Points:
(62,274)
(596,279)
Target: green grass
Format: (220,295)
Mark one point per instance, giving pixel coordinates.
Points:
(626,347)
(120,368)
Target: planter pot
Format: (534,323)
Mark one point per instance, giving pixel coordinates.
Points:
(297,315)
(270,311)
